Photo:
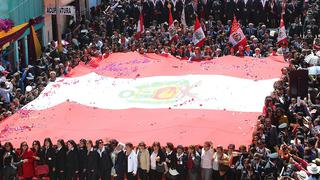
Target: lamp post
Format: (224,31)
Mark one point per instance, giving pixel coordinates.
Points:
(58,25)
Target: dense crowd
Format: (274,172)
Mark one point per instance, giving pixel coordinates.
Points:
(286,140)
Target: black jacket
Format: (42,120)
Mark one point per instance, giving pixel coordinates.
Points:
(173,160)
(82,158)
(182,164)
(48,156)
(105,162)
(72,161)
(92,161)
(9,173)
(60,161)
(120,163)
(161,155)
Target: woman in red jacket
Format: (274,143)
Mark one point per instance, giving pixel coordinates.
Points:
(28,161)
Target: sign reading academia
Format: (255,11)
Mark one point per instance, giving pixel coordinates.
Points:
(65,10)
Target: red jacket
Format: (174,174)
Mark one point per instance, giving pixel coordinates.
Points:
(28,167)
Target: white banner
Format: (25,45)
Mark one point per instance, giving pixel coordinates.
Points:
(65,10)
(216,92)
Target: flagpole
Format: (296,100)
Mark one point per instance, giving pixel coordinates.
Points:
(58,25)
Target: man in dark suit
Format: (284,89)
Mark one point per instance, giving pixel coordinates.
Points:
(238,10)
(92,162)
(148,10)
(229,9)
(105,162)
(257,11)
(162,11)
(192,8)
(120,163)
(247,14)
(251,30)
(271,134)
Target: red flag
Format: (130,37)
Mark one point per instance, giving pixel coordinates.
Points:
(237,38)
(282,36)
(140,27)
(172,32)
(198,35)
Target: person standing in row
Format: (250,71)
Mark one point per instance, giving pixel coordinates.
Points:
(48,155)
(72,161)
(132,162)
(206,161)
(120,162)
(157,159)
(182,159)
(193,163)
(26,156)
(92,162)
(105,161)
(171,160)
(82,159)
(143,161)
(60,162)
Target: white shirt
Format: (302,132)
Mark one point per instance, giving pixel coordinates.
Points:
(153,161)
(215,162)
(132,163)
(206,159)
(100,151)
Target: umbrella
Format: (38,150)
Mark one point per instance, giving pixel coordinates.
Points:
(314,70)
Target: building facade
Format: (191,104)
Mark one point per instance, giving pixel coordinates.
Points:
(21,11)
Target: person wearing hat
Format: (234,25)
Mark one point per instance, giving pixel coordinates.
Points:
(283,134)
(274,166)
(301,175)
(258,166)
(257,53)
(314,171)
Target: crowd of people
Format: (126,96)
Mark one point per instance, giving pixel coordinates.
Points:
(285,142)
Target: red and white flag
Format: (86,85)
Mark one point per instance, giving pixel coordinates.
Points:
(140,28)
(134,97)
(198,35)
(237,38)
(172,31)
(282,36)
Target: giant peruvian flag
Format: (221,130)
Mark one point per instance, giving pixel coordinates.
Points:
(140,26)
(133,97)
(237,38)
(198,35)
(282,36)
